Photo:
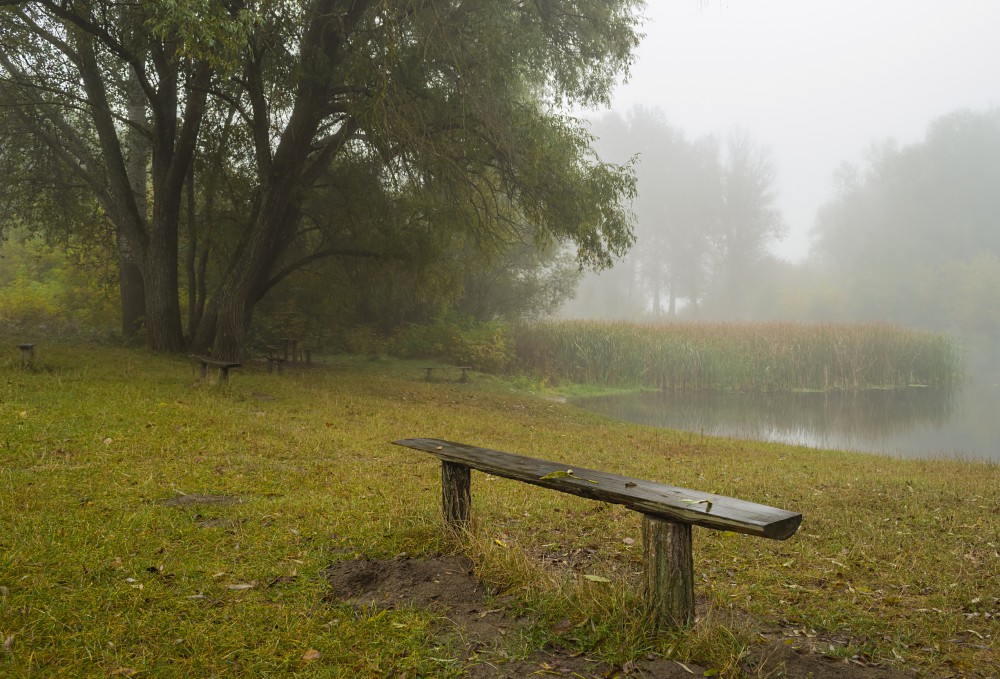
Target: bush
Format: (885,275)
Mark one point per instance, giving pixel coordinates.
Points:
(487,347)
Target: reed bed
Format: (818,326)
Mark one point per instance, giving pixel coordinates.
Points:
(741,357)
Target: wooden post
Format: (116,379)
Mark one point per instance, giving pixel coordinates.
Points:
(456,493)
(669,572)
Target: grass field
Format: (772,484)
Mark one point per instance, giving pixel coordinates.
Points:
(896,562)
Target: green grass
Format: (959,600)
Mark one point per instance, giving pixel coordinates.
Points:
(747,357)
(896,561)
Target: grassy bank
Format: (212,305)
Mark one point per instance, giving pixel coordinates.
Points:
(754,357)
(103,572)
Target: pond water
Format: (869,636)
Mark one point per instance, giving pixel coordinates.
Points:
(961,422)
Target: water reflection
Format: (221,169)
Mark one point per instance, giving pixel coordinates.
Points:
(917,422)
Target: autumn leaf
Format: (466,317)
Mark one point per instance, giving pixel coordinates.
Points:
(595,578)
(704,501)
(311,655)
(245,585)
(563,474)
(562,626)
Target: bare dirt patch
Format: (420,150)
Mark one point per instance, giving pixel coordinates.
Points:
(480,623)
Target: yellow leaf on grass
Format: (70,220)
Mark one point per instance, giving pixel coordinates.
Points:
(311,655)
(596,578)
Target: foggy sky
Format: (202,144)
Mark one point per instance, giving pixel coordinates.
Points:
(815,81)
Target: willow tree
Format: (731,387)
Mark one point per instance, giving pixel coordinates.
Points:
(457,101)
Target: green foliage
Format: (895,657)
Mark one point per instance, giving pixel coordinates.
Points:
(757,357)
(53,293)
(487,347)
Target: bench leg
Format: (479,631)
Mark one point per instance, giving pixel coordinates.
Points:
(669,572)
(204,370)
(223,375)
(456,493)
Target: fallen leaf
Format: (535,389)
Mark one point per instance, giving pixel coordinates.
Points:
(311,655)
(684,667)
(125,672)
(704,501)
(8,644)
(23,414)
(628,541)
(108,442)
(631,484)
(562,626)
(595,578)
(562,474)
(245,585)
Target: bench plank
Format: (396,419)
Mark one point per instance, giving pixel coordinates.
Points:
(669,503)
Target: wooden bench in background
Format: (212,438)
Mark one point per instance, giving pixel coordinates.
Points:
(222,366)
(27,353)
(464,378)
(668,514)
(274,358)
(291,353)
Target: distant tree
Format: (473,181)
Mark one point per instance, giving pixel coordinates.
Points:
(749,219)
(677,212)
(912,232)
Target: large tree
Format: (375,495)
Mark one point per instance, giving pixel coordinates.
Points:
(247,106)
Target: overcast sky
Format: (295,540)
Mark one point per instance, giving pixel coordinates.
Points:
(815,81)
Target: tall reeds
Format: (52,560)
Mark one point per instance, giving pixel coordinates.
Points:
(745,357)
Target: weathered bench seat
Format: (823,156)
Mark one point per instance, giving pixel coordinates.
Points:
(222,366)
(668,512)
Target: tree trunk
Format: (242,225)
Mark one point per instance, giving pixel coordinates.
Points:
(163,310)
(130,277)
(131,289)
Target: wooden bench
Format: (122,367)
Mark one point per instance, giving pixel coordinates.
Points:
(27,353)
(464,368)
(668,514)
(274,359)
(223,367)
